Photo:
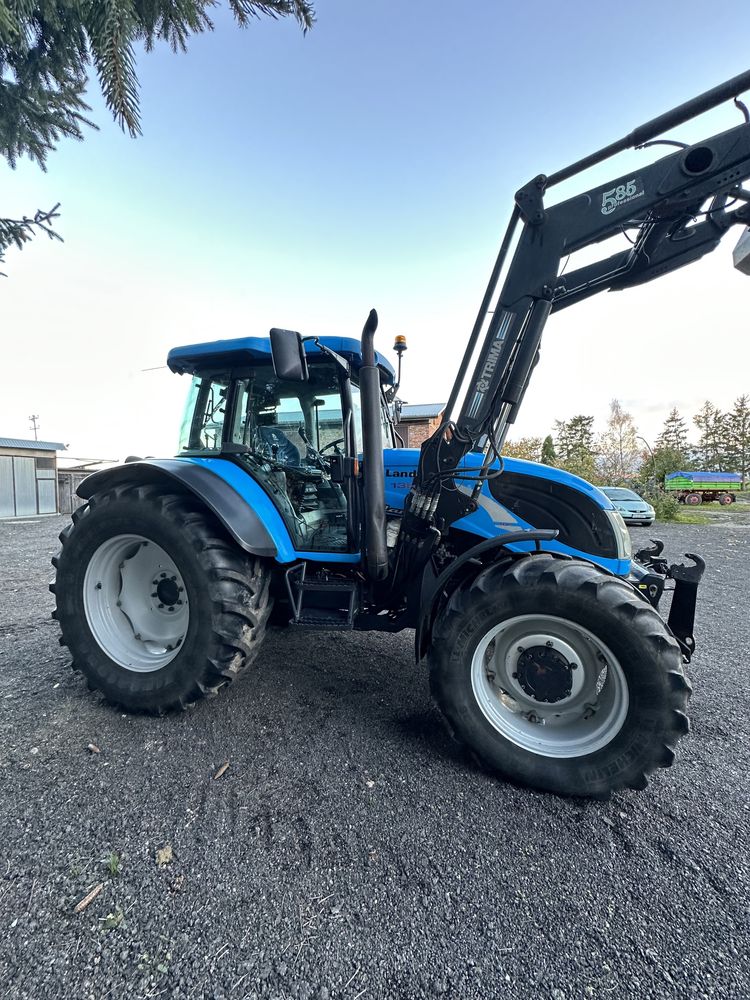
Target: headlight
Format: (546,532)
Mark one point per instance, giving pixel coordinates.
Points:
(622,535)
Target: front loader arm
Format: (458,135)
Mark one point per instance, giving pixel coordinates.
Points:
(663,205)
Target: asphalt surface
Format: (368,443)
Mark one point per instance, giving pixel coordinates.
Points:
(349,849)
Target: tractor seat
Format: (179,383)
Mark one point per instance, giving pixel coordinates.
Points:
(285,452)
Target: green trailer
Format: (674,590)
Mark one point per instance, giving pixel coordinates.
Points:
(694,488)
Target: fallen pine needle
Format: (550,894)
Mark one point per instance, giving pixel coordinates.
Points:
(87,900)
(353,976)
(221,770)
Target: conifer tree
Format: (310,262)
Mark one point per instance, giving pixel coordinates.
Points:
(737,438)
(674,434)
(47,50)
(574,437)
(575,446)
(549,456)
(711,446)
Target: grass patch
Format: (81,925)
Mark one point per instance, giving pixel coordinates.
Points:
(113,864)
(684,518)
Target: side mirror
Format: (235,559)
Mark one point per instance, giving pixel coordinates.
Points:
(288,354)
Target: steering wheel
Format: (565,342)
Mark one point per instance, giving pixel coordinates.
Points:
(331,444)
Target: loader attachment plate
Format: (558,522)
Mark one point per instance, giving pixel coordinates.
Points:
(682,613)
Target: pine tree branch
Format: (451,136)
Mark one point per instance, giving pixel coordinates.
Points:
(18,232)
(111,28)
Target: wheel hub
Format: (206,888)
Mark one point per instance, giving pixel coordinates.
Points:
(168,591)
(544,674)
(549,685)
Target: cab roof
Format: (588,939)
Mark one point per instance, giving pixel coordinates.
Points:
(248,351)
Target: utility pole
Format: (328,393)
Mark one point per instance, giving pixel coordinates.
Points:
(34,425)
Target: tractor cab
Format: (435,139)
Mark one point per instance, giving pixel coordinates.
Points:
(298,438)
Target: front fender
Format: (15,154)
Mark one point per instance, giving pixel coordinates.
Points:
(246,518)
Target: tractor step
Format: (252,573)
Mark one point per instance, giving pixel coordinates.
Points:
(321,602)
(324,619)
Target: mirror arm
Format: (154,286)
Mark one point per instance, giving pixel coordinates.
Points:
(331,354)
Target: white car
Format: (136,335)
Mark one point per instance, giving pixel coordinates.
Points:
(634,509)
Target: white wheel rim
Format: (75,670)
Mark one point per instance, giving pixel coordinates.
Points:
(135,603)
(589,707)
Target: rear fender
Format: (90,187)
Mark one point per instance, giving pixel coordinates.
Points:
(260,537)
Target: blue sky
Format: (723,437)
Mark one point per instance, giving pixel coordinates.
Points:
(290,180)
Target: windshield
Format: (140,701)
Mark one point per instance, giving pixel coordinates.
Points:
(620,494)
(289,421)
(283,421)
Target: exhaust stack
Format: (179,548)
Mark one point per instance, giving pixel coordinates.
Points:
(373,471)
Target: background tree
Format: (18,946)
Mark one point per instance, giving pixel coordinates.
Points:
(574,442)
(656,465)
(574,436)
(737,438)
(619,454)
(674,433)
(711,446)
(48,48)
(549,455)
(529,448)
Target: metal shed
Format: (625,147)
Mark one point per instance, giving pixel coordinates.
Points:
(28,477)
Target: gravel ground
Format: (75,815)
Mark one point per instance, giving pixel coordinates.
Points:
(349,849)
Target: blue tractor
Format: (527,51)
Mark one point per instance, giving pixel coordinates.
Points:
(290,502)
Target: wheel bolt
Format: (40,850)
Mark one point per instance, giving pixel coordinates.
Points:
(173,578)
(180,589)
(162,575)
(574,666)
(98,586)
(515,674)
(521,649)
(154,594)
(119,604)
(171,609)
(161,605)
(549,642)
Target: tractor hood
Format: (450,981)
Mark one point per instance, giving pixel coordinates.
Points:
(401,467)
(528,495)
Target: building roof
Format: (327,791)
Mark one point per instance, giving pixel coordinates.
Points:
(32,445)
(421,411)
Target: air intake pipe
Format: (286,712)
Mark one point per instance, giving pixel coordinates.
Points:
(373,470)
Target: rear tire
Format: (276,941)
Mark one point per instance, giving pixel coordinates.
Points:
(571,633)
(693,499)
(157,605)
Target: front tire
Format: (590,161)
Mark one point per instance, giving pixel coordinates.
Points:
(156,603)
(559,676)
